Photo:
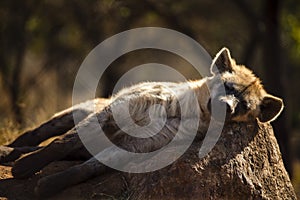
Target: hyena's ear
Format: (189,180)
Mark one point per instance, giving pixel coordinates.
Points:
(222,62)
(270,108)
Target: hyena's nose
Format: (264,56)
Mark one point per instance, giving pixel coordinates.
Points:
(209,105)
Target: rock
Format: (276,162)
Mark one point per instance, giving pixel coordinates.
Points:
(245,164)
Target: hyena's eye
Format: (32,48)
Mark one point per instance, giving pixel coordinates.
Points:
(229,87)
(246,105)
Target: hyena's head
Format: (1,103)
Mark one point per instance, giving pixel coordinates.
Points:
(244,95)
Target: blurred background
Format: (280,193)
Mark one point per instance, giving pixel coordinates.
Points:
(43,43)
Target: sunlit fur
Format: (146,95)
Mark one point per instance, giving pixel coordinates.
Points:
(239,82)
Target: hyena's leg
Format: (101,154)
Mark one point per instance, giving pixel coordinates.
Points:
(56,150)
(52,184)
(59,123)
(55,183)
(60,147)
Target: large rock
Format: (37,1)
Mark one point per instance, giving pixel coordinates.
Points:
(245,164)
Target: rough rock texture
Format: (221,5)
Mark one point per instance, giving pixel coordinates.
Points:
(245,164)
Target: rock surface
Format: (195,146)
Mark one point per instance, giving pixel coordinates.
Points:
(245,164)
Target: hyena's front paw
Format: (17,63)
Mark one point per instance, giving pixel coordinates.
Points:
(10,154)
(46,187)
(28,165)
(53,184)
(7,154)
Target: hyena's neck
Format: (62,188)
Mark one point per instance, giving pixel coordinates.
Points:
(193,104)
(197,90)
(200,88)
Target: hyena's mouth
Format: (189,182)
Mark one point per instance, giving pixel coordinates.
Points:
(231,102)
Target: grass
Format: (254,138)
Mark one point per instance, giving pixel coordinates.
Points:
(8,132)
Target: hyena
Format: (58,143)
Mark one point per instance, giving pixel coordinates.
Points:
(244,98)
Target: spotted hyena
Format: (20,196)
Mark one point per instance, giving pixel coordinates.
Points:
(244,97)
